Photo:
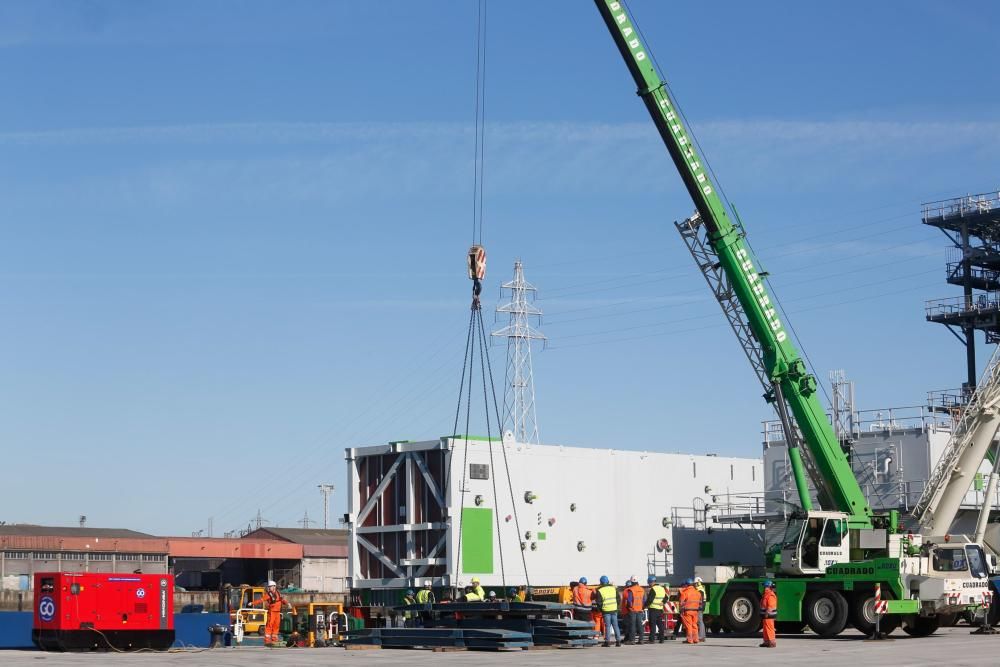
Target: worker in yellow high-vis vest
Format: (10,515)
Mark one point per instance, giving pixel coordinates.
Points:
(656,595)
(607,602)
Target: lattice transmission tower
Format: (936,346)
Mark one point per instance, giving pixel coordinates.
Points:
(519,415)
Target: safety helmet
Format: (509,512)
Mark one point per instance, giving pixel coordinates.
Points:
(427,585)
(689,582)
(492,594)
(650,579)
(698,580)
(583,580)
(271,583)
(409,591)
(475,580)
(511,591)
(605,580)
(633,579)
(768,583)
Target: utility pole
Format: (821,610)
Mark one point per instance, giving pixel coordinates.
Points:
(259,520)
(326,490)
(305,521)
(519,388)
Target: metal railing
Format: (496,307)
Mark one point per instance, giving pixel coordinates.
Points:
(958,305)
(958,207)
(947,399)
(886,420)
(953,270)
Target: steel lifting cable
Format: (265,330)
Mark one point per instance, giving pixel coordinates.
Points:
(484,361)
(506,465)
(469,362)
(479,156)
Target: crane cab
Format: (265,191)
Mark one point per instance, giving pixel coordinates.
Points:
(814,541)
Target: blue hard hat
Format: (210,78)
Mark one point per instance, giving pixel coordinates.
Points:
(605,580)
(583,580)
(650,579)
(512,591)
(689,582)
(409,591)
(768,583)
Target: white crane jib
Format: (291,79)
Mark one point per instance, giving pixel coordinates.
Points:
(968,446)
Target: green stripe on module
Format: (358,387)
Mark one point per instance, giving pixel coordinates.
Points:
(477,540)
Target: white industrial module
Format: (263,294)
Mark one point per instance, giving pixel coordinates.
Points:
(445,511)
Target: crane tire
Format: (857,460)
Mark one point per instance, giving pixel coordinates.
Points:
(826,613)
(921,626)
(741,611)
(862,614)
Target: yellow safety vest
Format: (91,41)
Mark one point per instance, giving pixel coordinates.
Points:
(609,599)
(473,597)
(659,592)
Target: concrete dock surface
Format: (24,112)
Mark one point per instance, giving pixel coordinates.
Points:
(951,646)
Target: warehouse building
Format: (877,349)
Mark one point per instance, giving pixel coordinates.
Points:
(26,549)
(315,561)
(322,567)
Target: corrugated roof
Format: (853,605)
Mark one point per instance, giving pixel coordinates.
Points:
(31,530)
(315,536)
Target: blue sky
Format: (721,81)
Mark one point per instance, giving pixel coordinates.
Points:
(232,235)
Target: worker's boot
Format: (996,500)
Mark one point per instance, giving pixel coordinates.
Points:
(764,645)
(606,644)
(618,643)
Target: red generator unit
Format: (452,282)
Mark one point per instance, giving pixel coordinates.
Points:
(77,611)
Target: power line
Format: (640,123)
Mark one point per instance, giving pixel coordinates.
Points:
(720,325)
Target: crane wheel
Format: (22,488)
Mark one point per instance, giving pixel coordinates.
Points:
(862,614)
(826,613)
(741,611)
(921,626)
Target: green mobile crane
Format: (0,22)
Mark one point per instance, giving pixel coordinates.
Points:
(831,562)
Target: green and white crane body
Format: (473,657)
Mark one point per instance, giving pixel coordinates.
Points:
(831,561)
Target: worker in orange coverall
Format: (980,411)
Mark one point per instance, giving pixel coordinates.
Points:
(273,601)
(769,612)
(690,603)
(583,596)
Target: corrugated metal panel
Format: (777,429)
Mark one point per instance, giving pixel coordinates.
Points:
(207,547)
(324,551)
(30,530)
(302,535)
(54,543)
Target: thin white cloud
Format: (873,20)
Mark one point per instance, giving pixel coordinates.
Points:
(332,162)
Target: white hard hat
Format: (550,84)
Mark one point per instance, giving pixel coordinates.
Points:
(697,580)
(271,583)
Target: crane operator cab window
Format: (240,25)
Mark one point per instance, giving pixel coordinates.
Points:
(950,560)
(810,543)
(961,559)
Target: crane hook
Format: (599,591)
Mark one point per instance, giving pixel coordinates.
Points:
(476,263)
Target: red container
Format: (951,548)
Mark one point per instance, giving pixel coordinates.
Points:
(90,610)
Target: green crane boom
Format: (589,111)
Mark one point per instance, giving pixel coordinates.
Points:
(790,379)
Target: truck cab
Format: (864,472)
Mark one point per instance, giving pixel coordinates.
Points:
(950,576)
(814,541)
